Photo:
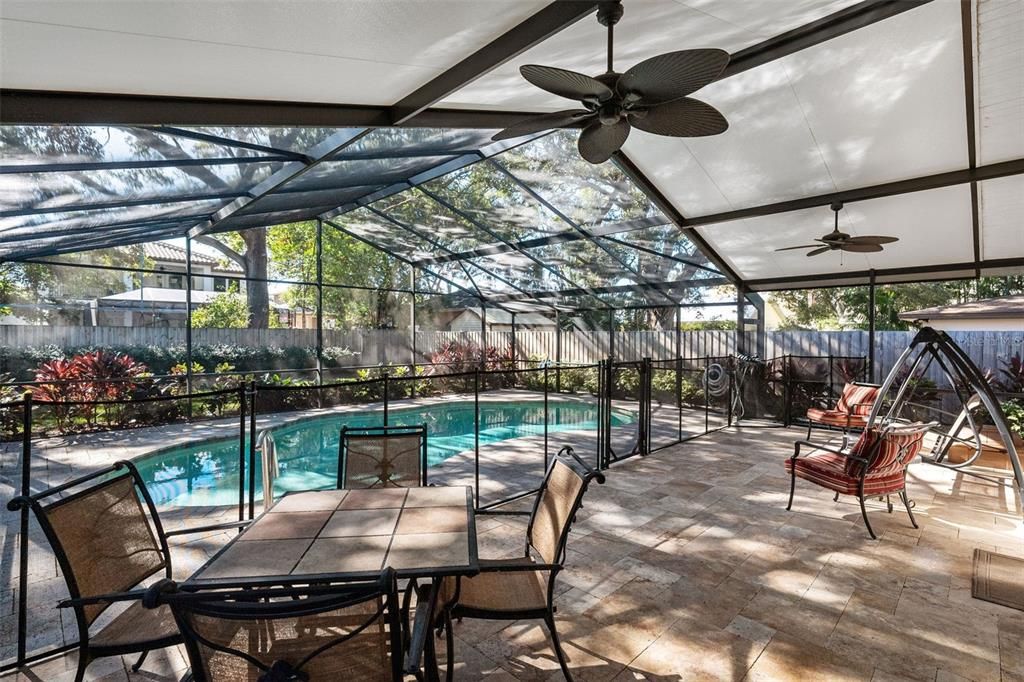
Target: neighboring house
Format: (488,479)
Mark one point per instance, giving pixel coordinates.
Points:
(208,272)
(162,307)
(145,307)
(994,314)
(468,320)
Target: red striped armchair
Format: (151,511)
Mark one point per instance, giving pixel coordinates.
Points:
(876,465)
(851,411)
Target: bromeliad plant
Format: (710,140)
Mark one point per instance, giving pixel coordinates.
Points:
(1012,374)
(74,387)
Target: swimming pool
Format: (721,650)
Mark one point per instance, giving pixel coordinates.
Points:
(206,474)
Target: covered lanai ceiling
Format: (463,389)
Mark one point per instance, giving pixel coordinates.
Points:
(206,117)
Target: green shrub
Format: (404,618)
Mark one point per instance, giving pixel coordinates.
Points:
(579,380)
(1014,411)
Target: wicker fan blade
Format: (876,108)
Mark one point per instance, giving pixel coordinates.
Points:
(672,75)
(682,118)
(565,83)
(818,252)
(871,240)
(860,248)
(599,141)
(805,246)
(535,124)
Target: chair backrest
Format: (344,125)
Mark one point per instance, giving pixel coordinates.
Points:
(857,398)
(107,538)
(557,502)
(889,448)
(337,632)
(382,457)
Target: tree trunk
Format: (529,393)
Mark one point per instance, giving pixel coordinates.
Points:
(257,295)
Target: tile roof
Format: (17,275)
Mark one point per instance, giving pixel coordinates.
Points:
(169,253)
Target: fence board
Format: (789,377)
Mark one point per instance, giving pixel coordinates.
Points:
(988,349)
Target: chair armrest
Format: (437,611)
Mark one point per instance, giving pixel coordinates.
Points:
(819,446)
(501,512)
(110,598)
(514,568)
(205,529)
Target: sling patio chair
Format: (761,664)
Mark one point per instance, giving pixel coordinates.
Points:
(876,465)
(523,588)
(107,539)
(314,633)
(851,411)
(382,457)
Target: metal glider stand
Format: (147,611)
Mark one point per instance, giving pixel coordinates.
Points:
(966,382)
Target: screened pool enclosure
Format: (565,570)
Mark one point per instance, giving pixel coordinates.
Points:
(226,236)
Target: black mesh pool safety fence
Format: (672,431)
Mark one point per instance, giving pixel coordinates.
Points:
(490,426)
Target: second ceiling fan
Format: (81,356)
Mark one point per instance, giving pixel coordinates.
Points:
(841,241)
(651,96)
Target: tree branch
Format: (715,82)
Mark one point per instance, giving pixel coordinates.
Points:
(223,248)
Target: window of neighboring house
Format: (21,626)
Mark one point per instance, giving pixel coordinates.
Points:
(174,282)
(225,284)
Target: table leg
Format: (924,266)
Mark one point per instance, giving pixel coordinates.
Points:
(421,641)
(431,652)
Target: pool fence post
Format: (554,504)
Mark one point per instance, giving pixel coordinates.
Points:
(241,450)
(188,325)
(26,489)
(385,370)
(648,398)
(787,392)
(707,402)
(679,372)
(476,437)
(412,326)
(558,351)
(732,385)
(252,448)
(545,416)
(319,247)
(600,412)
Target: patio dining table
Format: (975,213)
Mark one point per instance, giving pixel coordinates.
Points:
(339,535)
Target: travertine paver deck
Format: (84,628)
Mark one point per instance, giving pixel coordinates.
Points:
(685,565)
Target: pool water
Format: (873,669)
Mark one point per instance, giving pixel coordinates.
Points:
(206,474)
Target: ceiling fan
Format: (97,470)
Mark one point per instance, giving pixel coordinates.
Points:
(840,241)
(651,96)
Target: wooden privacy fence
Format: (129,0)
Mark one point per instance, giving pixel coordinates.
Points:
(989,350)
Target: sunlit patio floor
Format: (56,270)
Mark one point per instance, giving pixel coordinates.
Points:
(686,565)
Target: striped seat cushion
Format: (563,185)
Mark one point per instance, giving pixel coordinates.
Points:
(857,399)
(837,418)
(829,471)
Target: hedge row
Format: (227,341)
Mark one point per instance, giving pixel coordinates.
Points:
(22,362)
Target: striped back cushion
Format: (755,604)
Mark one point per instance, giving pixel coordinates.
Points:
(857,399)
(898,447)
